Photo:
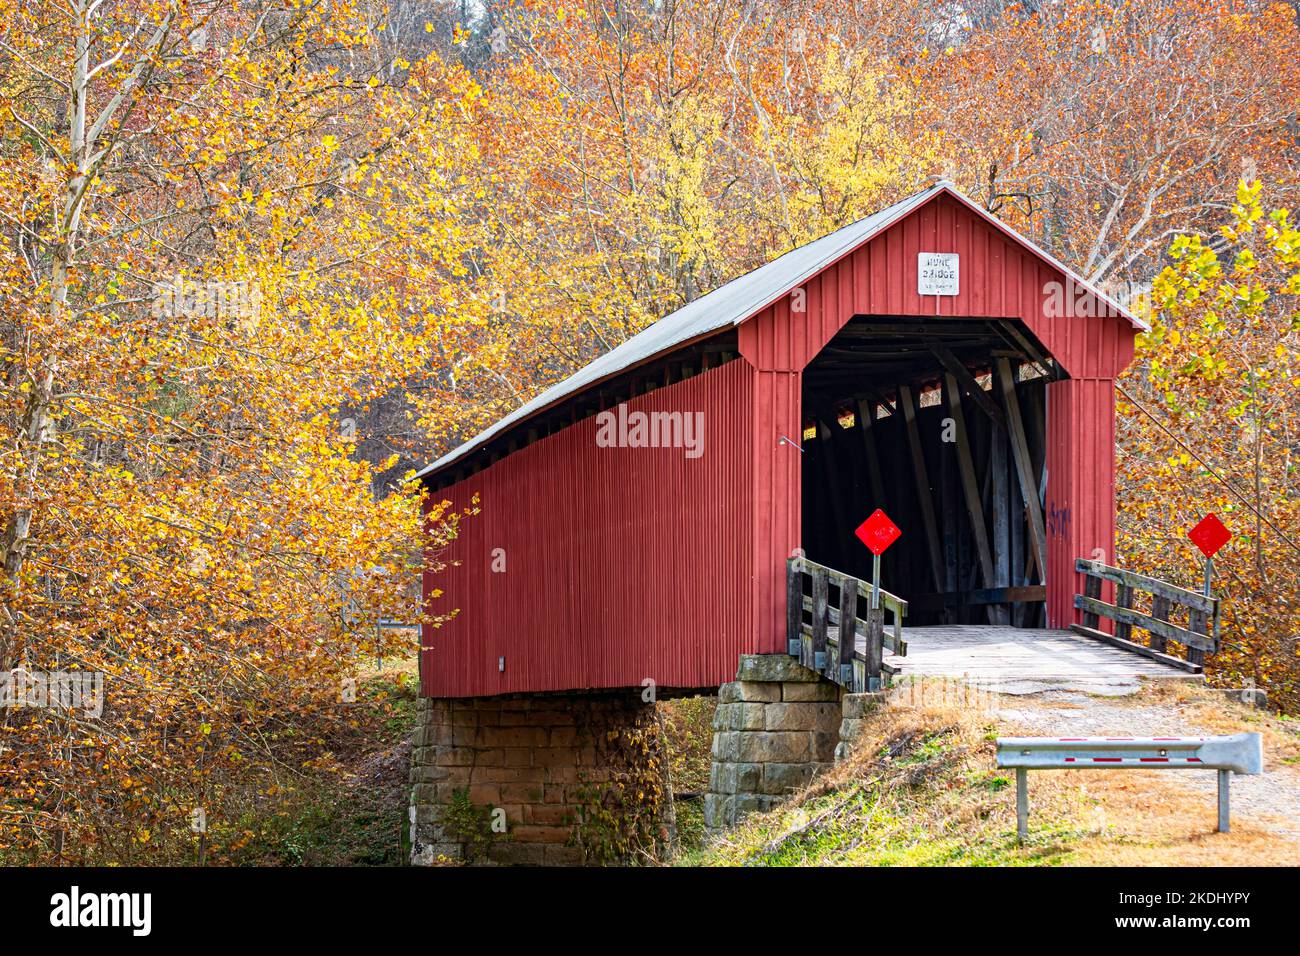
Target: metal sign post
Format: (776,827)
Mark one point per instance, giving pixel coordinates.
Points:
(877,533)
(875,582)
(1209,535)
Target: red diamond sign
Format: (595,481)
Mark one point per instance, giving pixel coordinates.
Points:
(878,532)
(1210,535)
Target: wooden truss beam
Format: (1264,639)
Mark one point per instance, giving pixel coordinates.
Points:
(1024,467)
(923,489)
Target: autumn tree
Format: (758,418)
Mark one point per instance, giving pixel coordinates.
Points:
(632,159)
(225,227)
(1210,423)
(1103,130)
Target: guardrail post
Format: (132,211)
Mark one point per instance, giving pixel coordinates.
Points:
(1224,778)
(1022,804)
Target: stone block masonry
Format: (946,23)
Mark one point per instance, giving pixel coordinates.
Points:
(856,709)
(529,761)
(776,727)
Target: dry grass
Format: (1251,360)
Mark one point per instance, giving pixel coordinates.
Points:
(1214,712)
(921,788)
(1153,818)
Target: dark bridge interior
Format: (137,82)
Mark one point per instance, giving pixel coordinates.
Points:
(941,423)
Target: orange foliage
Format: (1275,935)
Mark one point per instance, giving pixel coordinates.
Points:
(219,245)
(230,231)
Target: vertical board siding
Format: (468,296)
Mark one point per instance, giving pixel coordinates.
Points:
(777,515)
(626,564)
(1080,508)
(622,564)
(999,279)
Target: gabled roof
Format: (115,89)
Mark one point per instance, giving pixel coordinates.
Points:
(740,299)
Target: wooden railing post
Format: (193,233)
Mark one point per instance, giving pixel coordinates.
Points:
(793,604)
(875,652)
(820,605)
(1091,588)
(1124,599)
(1197,621)
(848,633)
(1159,611)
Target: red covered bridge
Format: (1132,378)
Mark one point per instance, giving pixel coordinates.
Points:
(981,418)
(686,503)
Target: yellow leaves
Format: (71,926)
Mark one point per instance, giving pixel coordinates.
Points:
(1248,195)
(1228,379)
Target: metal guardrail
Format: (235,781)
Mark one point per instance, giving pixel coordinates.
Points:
(1239,753)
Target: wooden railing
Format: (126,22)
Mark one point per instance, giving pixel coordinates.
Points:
(1200,636)
(821,642)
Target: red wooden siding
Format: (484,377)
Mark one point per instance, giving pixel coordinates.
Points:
(1079,513)
(777,513)
(625,564)
(621,563)
(999,278)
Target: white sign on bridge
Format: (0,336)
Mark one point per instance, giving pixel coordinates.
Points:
(936,273)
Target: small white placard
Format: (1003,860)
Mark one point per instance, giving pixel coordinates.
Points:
(936,273)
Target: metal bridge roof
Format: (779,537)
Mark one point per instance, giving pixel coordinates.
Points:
(738,300)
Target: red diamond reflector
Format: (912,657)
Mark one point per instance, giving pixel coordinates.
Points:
(1210,535)
(878,532)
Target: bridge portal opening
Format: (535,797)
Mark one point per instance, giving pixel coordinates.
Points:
(940,422)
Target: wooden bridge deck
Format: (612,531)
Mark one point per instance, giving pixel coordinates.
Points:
(1023,661)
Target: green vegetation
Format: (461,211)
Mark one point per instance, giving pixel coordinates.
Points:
(687,727)
(334,817)
(471,823)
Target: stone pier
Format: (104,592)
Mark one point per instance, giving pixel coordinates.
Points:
(855,709)
(776,727)
(506,779)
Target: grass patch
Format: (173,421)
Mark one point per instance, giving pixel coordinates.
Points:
(922,789)
(918,791)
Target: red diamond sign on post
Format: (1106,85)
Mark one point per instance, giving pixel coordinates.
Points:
(1210,535)
(878,532)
